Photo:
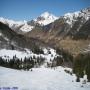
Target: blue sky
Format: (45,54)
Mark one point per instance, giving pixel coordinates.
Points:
(29,9)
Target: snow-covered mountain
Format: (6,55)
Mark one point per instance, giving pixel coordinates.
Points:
(46,18)
(72,17)
(11,23)
(17,25)
(26,26)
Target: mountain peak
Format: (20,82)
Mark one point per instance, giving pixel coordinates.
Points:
(48,15)
(46,18)
(45,14)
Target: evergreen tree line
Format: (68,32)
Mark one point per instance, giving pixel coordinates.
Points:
(82,66)
(64,59)
(37,50)
(57,61)
(19,64)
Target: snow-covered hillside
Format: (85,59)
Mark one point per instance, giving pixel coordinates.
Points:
(8,54)
(20,25)
(11,23)
(72,17)
(26,27)
(40,79)
(46,18)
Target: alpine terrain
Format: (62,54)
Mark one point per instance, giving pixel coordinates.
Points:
(46,53)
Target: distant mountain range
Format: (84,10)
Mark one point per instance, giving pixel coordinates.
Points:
(26,26)
(70,31)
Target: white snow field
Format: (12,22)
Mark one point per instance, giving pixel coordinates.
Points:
(40,79)
(8,54)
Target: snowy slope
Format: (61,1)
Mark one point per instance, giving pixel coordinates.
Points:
(46,18)
(11,23)
(40,79)
(8,54)
(72,17)
(26,27)
(21,25)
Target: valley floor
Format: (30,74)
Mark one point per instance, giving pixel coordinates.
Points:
(39,79)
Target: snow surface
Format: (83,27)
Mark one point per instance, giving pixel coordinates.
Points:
(15,24)
(70,17)
(26,28)
(11,22)
(47,18)
(8,54)
(40,79)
